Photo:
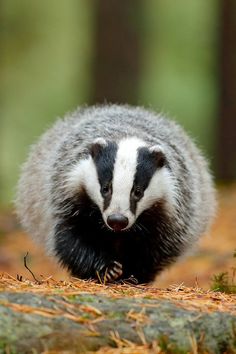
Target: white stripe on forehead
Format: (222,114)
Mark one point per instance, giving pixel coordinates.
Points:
(123,175)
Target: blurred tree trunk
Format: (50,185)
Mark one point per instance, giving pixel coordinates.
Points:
(2,67)
(116,65)
(227,118)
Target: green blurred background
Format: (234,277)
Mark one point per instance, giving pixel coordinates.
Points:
(170,56)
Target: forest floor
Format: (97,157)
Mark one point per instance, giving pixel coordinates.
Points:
(186,284)
(71,317)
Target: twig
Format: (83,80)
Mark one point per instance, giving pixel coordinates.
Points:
(19,277)
(25,264)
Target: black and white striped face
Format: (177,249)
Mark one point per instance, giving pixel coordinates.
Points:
(124,179)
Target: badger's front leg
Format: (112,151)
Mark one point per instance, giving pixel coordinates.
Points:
(111,272)
(99,268)
(84,259)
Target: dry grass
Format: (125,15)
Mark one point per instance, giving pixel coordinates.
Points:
(195,299)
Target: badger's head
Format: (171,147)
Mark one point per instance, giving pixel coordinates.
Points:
(124,179)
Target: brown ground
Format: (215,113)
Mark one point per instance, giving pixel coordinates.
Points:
(214,254)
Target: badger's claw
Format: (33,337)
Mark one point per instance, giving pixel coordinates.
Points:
(110,273)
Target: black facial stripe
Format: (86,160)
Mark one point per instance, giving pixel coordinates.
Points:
(107,200)
(146,167)
(104,162)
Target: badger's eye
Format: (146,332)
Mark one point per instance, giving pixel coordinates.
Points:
(137,193)
(106,190)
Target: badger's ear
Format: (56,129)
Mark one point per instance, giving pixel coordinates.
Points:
(97,146)
(158,154)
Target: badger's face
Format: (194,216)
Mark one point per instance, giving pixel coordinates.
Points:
(124,179)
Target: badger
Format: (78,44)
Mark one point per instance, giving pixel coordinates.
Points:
(115,192)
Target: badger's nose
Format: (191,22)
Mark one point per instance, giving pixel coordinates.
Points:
(117,221)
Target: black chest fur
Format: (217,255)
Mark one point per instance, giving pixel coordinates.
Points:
(84,243)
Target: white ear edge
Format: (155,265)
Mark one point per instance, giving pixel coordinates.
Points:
(100,141)
(156,148)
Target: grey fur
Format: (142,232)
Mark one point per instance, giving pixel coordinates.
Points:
(42,189)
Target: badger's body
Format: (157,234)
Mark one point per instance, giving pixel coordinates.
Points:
(115,191)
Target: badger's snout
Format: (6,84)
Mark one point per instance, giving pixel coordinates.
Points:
(117,221)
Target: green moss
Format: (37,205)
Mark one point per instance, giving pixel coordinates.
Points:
(58,291)
(225,281)
(222,282)
(87,316)
(71,298)
(116,315)
(148,297)
(168,347)
(5,348)
(80,298)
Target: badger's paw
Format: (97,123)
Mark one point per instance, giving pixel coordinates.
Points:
(110,273)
